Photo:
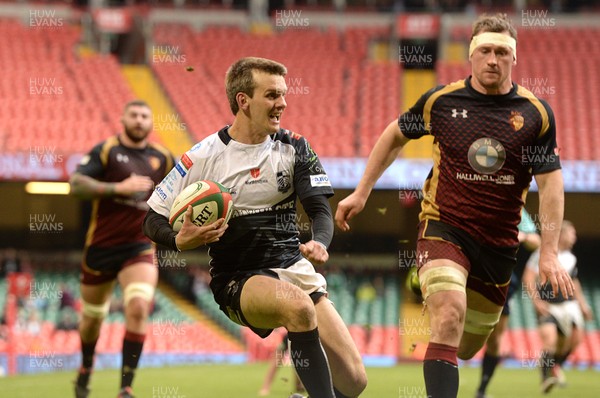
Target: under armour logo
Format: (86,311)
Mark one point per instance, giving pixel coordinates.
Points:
(455,113)
(122,158)
(423,257)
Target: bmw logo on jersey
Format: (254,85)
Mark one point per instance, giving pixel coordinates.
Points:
(486,155)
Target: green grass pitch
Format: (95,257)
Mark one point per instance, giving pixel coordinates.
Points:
(236,381)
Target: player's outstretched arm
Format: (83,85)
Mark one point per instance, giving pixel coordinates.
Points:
(384,152)
(86,187)
(551,210)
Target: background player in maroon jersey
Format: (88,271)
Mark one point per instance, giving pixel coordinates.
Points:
(484,129)
(119,175)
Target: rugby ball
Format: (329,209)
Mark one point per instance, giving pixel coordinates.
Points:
(209,200)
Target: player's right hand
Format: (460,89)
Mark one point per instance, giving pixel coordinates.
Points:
(191,236)
(347,209)
(134,185)
(553,272)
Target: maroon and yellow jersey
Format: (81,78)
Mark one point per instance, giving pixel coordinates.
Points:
(486,149)
(118,220)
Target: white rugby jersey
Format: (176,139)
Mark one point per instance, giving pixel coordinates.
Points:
(568,262)
(264,180)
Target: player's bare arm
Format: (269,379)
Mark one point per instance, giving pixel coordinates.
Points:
(551,213)
(86,187)
(384,153)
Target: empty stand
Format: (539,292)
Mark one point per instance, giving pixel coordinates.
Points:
(333,91)
(51,97)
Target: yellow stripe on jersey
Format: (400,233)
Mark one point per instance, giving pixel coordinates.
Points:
(108,145)
(93,217)
(523,92)
(429,103)
(429,208)
(169,159)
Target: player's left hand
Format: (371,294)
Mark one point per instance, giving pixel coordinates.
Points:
(551,271)
(314,252)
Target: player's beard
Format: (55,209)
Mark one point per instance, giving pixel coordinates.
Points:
(136,134)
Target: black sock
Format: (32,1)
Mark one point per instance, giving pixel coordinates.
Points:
(308,357)
(87,362)
(440,369)
(441,378)
(546,363)
(132,350)
(488,366)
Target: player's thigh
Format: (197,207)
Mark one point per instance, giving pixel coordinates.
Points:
(268,303)
(443,285)
(96,294)
(482,316)
(140,270)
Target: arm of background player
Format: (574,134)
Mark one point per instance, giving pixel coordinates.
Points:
(529,284)
(585,308)
(318,210)
(551,216)
(86,187)
(384,153)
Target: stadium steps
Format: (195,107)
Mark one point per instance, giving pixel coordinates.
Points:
(413,82)
(167,122)
(194,313)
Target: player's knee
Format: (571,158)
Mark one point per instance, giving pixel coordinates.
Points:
(449,321)
(137,309)
(302,315)
(89,328)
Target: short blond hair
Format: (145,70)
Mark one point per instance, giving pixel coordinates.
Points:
(497,23)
